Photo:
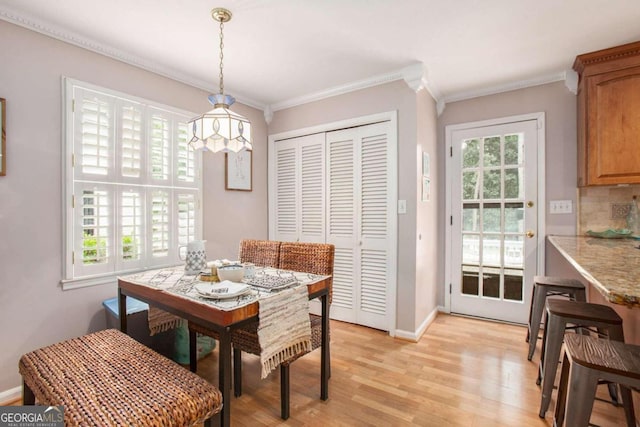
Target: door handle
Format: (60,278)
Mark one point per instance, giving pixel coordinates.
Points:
(530,234)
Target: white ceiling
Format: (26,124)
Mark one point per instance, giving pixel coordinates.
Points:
(280,51)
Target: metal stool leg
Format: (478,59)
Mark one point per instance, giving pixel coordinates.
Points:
(553,345)
(540,297)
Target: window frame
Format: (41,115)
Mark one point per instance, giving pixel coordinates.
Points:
(118,184)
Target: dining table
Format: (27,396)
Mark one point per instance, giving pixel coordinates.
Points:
(173,291)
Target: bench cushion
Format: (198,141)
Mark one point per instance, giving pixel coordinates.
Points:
(108,378)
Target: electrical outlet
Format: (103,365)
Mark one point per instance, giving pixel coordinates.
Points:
(560,207)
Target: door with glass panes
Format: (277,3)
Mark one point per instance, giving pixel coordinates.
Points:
(494,220)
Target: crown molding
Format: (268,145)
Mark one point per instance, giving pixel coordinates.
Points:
(62,34)
(492,90)
(338,90)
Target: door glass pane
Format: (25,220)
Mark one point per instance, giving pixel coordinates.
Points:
(491,249)
(470,153)
(470,190)
(513,285)
(491,185)
(513,149)
(514,251)
(491,282)
(470,280)
(491,218)
(470,249)
(514,217)
(514,183)
(471,217)
(492,151)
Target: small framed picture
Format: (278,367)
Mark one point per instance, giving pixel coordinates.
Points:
(426,165)
(238,171)
(426,189)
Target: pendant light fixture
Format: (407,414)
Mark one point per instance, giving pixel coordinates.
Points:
(220,129)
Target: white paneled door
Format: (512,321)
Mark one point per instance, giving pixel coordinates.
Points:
(361,223)
(494,219)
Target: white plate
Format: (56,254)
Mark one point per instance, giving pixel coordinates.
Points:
(222,290)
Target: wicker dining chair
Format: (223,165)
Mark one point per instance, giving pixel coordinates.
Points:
(315,258)
(262,253)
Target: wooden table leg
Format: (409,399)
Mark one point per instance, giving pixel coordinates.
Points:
(224,373)
(324,358)
(193,351)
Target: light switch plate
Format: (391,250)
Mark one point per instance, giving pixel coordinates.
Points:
(560,207)
(402,206)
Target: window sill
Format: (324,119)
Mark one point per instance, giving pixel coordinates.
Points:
(105,279)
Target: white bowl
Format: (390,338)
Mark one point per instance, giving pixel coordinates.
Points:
(233,273)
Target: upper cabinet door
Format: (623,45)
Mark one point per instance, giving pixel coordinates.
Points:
(609,116)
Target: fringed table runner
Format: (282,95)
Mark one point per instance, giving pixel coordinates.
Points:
(284,329)
(175,281)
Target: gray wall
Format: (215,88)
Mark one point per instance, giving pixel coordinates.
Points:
(559,105)
(34,311)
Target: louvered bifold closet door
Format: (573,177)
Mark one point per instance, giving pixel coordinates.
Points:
(342,221)
(375,204)
(359,216)
(300,189)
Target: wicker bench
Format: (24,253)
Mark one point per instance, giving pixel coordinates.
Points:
(108,379)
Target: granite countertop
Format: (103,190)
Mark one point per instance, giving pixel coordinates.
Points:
(612,266)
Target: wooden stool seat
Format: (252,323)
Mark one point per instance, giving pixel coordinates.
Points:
(586,361)
(543,287)
(561,313)
(108,378)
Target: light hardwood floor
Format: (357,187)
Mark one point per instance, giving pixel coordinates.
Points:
(463,372)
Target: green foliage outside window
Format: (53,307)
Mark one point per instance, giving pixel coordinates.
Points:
(95,249)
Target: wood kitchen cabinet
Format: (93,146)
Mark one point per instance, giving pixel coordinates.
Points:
(609,116)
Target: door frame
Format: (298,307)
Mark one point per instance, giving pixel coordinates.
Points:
(541,201)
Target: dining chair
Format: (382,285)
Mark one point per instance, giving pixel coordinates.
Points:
(262,253)
(314,258)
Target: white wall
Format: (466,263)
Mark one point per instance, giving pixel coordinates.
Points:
(388,97)
(559,105)
(34,311)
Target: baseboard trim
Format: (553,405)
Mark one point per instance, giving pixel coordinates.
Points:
(416,335)
(10,396)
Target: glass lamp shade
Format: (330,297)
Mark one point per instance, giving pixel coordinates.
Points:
(220,129)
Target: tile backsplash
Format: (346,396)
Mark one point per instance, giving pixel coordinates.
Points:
(600,208)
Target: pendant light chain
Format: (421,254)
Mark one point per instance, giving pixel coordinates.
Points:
(221,55)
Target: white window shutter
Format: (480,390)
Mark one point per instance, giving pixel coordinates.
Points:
(159,220)
(131,141)
(186,165)
(131,220)
(187,225)
(94,229)
(159,146)
(94,135)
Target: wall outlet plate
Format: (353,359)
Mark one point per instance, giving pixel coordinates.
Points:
(560,207)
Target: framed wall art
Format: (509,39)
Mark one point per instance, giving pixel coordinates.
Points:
(3,137)
(238,171)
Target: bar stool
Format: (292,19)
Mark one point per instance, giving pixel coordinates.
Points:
(543,287)
(588,360)
(583,315)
